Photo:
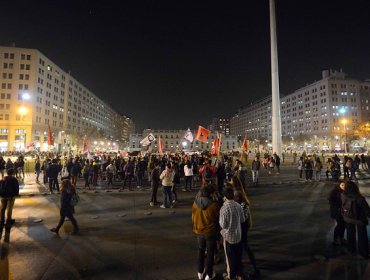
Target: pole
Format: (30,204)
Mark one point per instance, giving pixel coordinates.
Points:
(275,108)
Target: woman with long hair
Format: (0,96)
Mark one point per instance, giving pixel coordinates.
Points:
(241,197)
(66,208)
(336,214)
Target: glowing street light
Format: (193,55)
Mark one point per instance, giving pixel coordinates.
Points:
(26,96)
(22,110)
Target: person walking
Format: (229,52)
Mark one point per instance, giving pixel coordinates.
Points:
(205,216)
(9,189)
(256,165)
(355,211)
(335,203)
(37,169)
(300,167)
(317,167)
(154,181)
(53,171)
(231,218)
(66,208)
(167,177)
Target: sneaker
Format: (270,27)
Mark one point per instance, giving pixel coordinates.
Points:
(151,204)
(54,230)
(174,201)
(184,190)
(200,276)
(225,276)
(211,277)
(162,206)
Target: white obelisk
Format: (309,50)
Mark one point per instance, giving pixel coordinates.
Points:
(275,108)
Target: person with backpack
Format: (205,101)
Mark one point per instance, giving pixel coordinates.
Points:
(335,203)
(66,207)
(9,189)
(355,211)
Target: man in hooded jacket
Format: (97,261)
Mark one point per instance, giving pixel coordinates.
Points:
(205,215)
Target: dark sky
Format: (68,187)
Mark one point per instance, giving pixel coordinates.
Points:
(177,64)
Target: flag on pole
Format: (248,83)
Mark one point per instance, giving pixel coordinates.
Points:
(189,136)
(219,146)
(160,145)
(147,140)
(85,147)
(216,145)
(50,137)
(245,145)
(202,134)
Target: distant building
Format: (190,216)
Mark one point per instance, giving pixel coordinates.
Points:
(36,93)
(221,125)
(319,115)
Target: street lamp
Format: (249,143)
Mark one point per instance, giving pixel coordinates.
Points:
(344,122)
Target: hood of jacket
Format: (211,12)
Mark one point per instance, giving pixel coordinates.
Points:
(202,202)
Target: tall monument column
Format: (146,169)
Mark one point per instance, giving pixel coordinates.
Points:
(275,108)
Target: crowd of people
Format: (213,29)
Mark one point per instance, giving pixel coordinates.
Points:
(221,211)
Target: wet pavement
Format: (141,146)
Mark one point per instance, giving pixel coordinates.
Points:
(122,237)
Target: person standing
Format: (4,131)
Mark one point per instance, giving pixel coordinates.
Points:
(221,176)
(355,211)
(9,190)
(205,216)
(335,203)
(300,167)
(308,167)
(66,208)
(167,177)
(231,218)
(317,166)
(154,181)
(188,172)
(2,167)
(256,165)
(53,171)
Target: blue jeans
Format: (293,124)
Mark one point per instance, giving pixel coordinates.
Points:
(167,194)
(206,243)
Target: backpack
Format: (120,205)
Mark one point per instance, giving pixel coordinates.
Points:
(208,173)
(349,210)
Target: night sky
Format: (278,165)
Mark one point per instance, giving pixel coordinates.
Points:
(177,64)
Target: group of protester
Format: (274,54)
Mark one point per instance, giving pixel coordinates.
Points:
(312,167)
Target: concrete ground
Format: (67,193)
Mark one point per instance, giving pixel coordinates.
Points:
(122,237)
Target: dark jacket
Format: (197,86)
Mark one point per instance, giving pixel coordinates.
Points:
(363,209)
(155,177)
(11,187)
(53,170)
(335,203)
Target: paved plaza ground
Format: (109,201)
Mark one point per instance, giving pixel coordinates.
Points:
(122,237)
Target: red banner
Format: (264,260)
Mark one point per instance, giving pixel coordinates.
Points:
(202,134)
(85,147)
(50,137)
(245,145)
(160,145)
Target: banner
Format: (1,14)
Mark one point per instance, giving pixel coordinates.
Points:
(245,145)
(215,147)
(202,134)
(50,137)
(85,147)
(160,146)
(147,140)
(189,136)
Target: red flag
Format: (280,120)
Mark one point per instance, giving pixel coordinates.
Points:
(245,145)
(50,137)
(85,147)
(216,146)
(202,134)
(160,145)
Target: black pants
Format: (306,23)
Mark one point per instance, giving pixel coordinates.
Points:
(309,174)
(339,228)
(155,186)
(69,215)
(363,243)
(233,254)
(53,182)
(206,243)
